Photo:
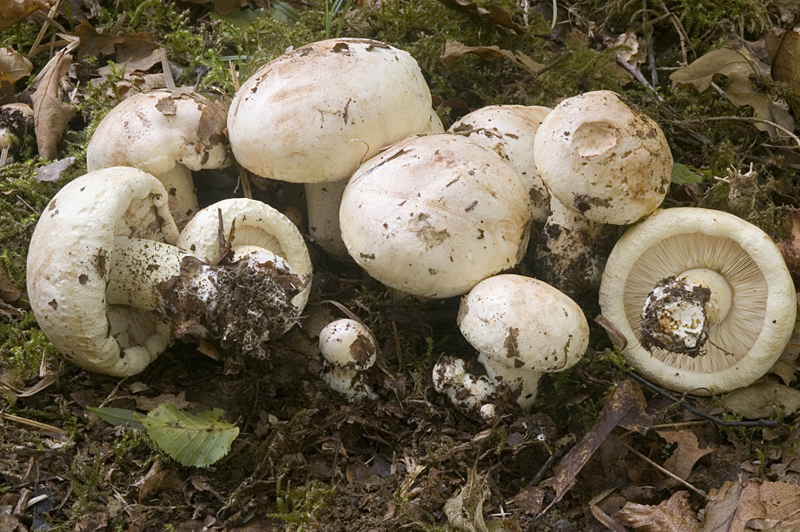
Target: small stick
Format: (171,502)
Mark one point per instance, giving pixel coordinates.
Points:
(752,119)
(168,79)
(31,423)
(693,410)
(543,470)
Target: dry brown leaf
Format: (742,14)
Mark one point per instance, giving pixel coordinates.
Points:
(740,91)
(464,510)
(13,64)
(12,11)
(732,506)
(786,365)
(762,400)
(782,503)
(672,515)
(50,114)
(454,49)
(626,396)
(786,64)
(687,453)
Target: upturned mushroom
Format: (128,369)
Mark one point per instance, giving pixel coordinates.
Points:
(703,299)
(349,349)
(509,130)
(249,226)
(603,163)
(168,133)
(288,122)
(110,289)
(521,328)
(434,215)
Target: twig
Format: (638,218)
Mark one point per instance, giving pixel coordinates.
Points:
(752,119)
(168,79)
(543,470)
(663,470)
(637,75)
(31,423)
(693,410)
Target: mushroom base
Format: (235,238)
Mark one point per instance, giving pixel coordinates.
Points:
(252,304)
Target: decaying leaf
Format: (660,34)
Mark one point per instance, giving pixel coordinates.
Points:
(746,505)
(686,454)
(194,440)
(740,90)
(786,64)
(625,405)
(52,171)
(12,11)
(50,114)
(762,400)
(672,515)
(464,511)
(454,49)
(13,64)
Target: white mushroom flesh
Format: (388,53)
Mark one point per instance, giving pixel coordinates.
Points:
(348,348)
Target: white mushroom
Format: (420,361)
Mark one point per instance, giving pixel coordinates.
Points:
(433,215)
(167,133)
(703,298)
(521,328)
(109,288)
(349,349)
(249,226)
(605,161)
(509,130)
(474,394)
(289,122)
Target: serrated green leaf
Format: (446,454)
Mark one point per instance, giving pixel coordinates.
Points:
(192,439)
(119,416)
(682,174)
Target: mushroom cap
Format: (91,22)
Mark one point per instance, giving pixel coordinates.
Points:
(600,157)
(433,215)
(67,272)
(156,130)
(348,344)
(509,130)
(524,324)
(289,122)
(252,224)
(751,337)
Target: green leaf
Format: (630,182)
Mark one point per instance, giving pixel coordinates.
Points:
(119,416)
(194,440)
(682,174)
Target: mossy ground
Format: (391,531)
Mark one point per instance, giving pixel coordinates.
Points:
(305,459)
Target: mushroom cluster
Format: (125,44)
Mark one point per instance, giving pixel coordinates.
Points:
(427,213)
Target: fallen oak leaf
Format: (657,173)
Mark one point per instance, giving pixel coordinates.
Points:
(672,515)
(50,114)
(740,91)
(454,49)
(687,453)
(762,400)
(625,403)
(492,13)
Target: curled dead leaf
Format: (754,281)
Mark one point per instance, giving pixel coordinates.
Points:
(50,114)
(672,515)
(12,11)
(740,90)
(454,49)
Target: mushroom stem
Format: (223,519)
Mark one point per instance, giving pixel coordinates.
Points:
(241,304)
(322,202)
(182,198)
(525,382)
(574,251)
(681,311)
